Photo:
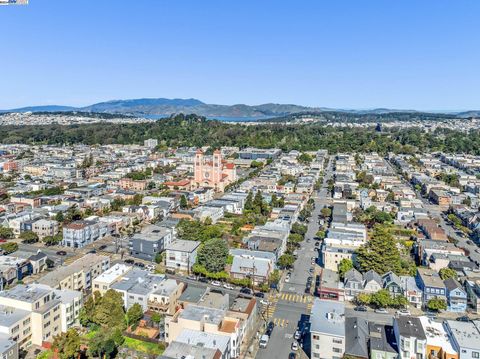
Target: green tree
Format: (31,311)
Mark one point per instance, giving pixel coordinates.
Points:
(59,217)
(344,266)
(52,240)
(381,299)
(295,238)
(134,314)
(326,212)
(286,261)
(248,206)
(213,255)
(87,311)
(364,298)
(9,247)
(183,202)
(109,310)
(67,345)
(298,228)
(29,237)
(304,158)
(446,273)
(380,253)
(437,304)
(6,233)
(102,345)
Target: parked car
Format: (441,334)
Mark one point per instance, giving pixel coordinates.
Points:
(61,253)
(264,341)
(403,312)
(129,261)
(216,283)
(246,290)
(93,251)
(317,244)
(191,277)
(292,356)
(102,247)
(381,311)
(264,302)
(297,335)
(287,278)
(270,327)
(228,286)
(260,294)
(463,318)
(139,264)
(361,308)
(203,279)
(294,346)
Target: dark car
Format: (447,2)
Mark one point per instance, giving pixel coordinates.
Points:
(361,308)
(102,247)
(61,253)
(270,327)
(463,319)
(246,290)
(292,356)
(129,261)
(93,251)
(203,279)
(317,244)
(260,294)
(138,264)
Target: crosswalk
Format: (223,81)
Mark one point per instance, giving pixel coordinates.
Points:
(282,322)
(297,298)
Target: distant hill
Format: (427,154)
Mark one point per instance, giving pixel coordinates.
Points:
(166,107)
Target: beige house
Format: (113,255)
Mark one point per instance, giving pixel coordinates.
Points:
(45,227)
(103,282)
(78,275)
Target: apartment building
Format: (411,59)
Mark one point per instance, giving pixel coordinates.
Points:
(181,255)
(150,242)
(204,319)
(30,315)
(8,347)
(104,281)
(410,337)
(439,344)
(45,227)
(80,233)
(79,275)
(465,338)
(327,331)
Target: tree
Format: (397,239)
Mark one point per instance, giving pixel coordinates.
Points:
(295,238)
(447,273)
(102,344)
(213,255)
(304,158)
(52,240)
(344,266)
(134,314)
(87,311)
(59,217)
(326,212)
(380,253)
(299,229)
(183,202)
(467,201)
(9,247)
(67,345)
(364,298)
(29,237)
(437,304)
(274,277)
(381,299)
(286,261)
(320,234)
(109,310)
(248,206)
(6,233)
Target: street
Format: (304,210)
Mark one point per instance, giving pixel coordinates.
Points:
(292,305)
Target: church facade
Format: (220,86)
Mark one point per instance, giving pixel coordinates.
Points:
(213,171)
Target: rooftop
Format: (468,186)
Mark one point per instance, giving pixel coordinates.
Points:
(182,245)
(466,334)
(328,317)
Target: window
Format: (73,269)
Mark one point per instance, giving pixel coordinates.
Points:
(475,354)
(338,341)
(337,350)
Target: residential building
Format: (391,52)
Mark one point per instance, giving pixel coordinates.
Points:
(439,344)
(80,233)
(465,338)
(104,281)
(431,284)
(150,242)
(456,296)
(383,344)
(327,330)
(8,347)
(410,337)
(45,227)
(181,255)
(78,275)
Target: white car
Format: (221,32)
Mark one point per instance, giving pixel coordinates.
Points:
(294,346)
(297,335)
(287,279)
(264,302)
(403,312)
(228,286)
(381,311)
(216,283)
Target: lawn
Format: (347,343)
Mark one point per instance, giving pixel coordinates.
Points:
(145,347)
(47,354)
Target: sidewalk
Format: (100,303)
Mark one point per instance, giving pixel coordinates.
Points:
(249,348)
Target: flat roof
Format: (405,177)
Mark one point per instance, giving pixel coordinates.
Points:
(328,317)
(113,273)
(182,245)
(466,334)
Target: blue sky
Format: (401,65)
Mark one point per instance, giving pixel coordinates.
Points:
(406,54)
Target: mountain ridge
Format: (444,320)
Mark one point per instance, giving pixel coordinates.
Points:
(167,107)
